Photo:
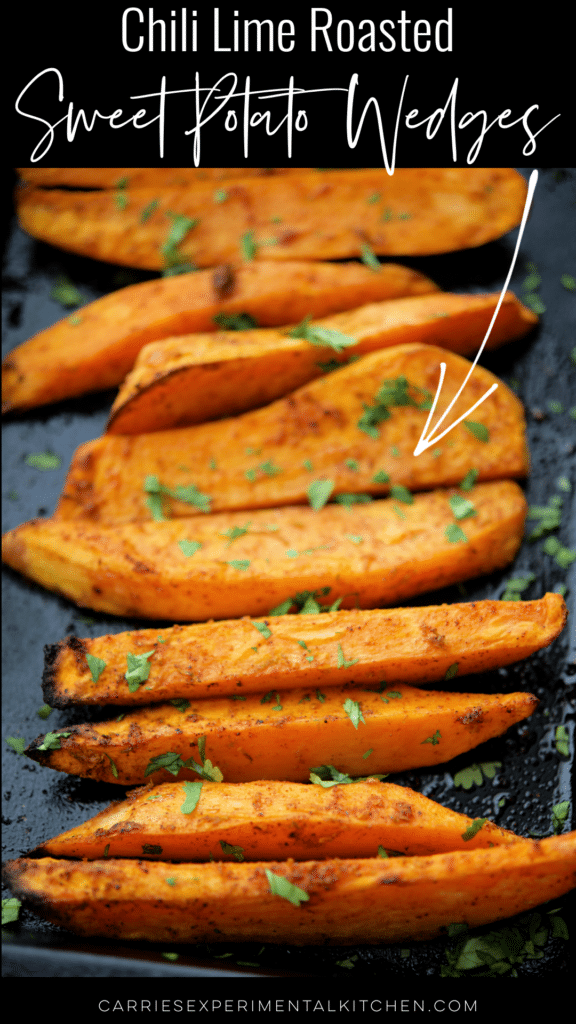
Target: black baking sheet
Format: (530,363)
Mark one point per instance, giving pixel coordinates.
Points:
(39,803)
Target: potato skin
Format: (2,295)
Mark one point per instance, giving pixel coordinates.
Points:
(350,902)
(139,570)
(324,216)
(283,735)
(232,656)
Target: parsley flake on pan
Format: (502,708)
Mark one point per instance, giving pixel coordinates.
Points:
(17,743)
(516,586)
(66,293)
(43,460)
(475,774)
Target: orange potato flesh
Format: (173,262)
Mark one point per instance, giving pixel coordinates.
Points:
(138,177)
(96,347)
(322,216)
(283,736)
(270,457)
(199,377)
(350,901)
(369,555)
(239,656)
(272,820)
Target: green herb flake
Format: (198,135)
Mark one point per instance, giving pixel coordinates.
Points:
(461,507)
(138,669)
(355,538)
(180,227)
(401,494)
(248,246)
(434,740)
(352,464)
(381,477)
(555,406)
(235,321)
(382,853)
(352,499)
(43,460)
(220,195)
(319,492)
(321,336)
(562,556)
(473,829)
(280,886)
(52,741)
(66,293)
(369,258)
(352,709)
(478,430)
(568,282)
(45,711)
(189,547)
(560,815)
(10,910)
(320,696)
(234,532)
(96,666)
(283,608)
(455,535)
(343,663)
(192,792)
(263,629)
(234,851)
(548,516)
(534,302)
(74,320)
(17,743)
(475,774)
(181,703)
(452,671)
(367,754)
(240,564)
(469,480)
(374,198)
(562,740)
(393,392)
(564,484)
(149,210)
(121,200)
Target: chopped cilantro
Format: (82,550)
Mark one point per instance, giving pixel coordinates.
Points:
(473,829)
(234,851)
(220,195)
(235,321)
(248,246)
(469,480)
(555,406)
(394,392)
(476,773)
(45,711)
(234,532)
(369,258)
(374,198)
(461,507)
(171,956)
(452,671)
(434,740)
(51,741)
(263,629)
(192,792)
(17,743)
(516,586)
(401,494)
(283,608)
(189,494)
(343,663)
(568,282)
(280,886)
(560,815)
(66,293)
(532,282)
(499,952)
(181,703)
(170,761)
(121,200)
(318,493)
(534,302)
(562,740)
(180,227)
(138,669)
(241,564)
(352,499)
(352,707)
(354,537)
(149,210)
(564,484)
(479,430)
(10,910)
(352,464)
(322,336)
(381,477)
(455,535)
(327,776)
(189,547)
(43,460)
(549,517)
(96,666)
(367,754)
(562,556)
(308,466)
(382,853)
(113,767)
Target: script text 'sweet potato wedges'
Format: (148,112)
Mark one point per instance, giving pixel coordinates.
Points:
(409,645)
(346,901)
(272,820)
(96,347)
(316,215)
(357,427)
(200,377)
(186,570)
(285,735)
(121,178)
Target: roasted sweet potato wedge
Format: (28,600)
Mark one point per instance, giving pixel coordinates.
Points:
(121,178)
(230,564)
(268,820)
(409,645)
(284,735)
(341,901)
(201,377)
(356,428)
(96,347)
(315,215)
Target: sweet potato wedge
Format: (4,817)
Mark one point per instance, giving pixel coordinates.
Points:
(332,429)
(141,177)
(96,347)
(272,820)
(315,215)
(346,902)
(190,570)
(201,377)
(283,736)
(409,645)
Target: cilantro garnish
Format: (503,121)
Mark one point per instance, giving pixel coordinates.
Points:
(248,246)
(192,792)
(369,258)
(395,392)
(516,586)
(434,740)
(499,952)
(235,321)
(307,603)
(469,480)
(121,200)
(318,493)
(568,282)
(473,829)
(455,535)
(234,851)
(343,663)
(564,484)
(10,910)
(189,494)
(322,336)
(180,227)
(562,740)
(401,494)
(263,629)
(43,460)
(171,956)
(353,710)
(66,293)
(353,499)
(240,564)
(280,886)
(451,671)
(476,773)
(189,547)
(562,556)
(45,711)
(17,743)
(220,195)
(51,741)
(479,430)
(173,762)
(381,477)
(149,210)
(96,666)
(327,776)
(234,532)
(181,703)
(559,815)
(138,669)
